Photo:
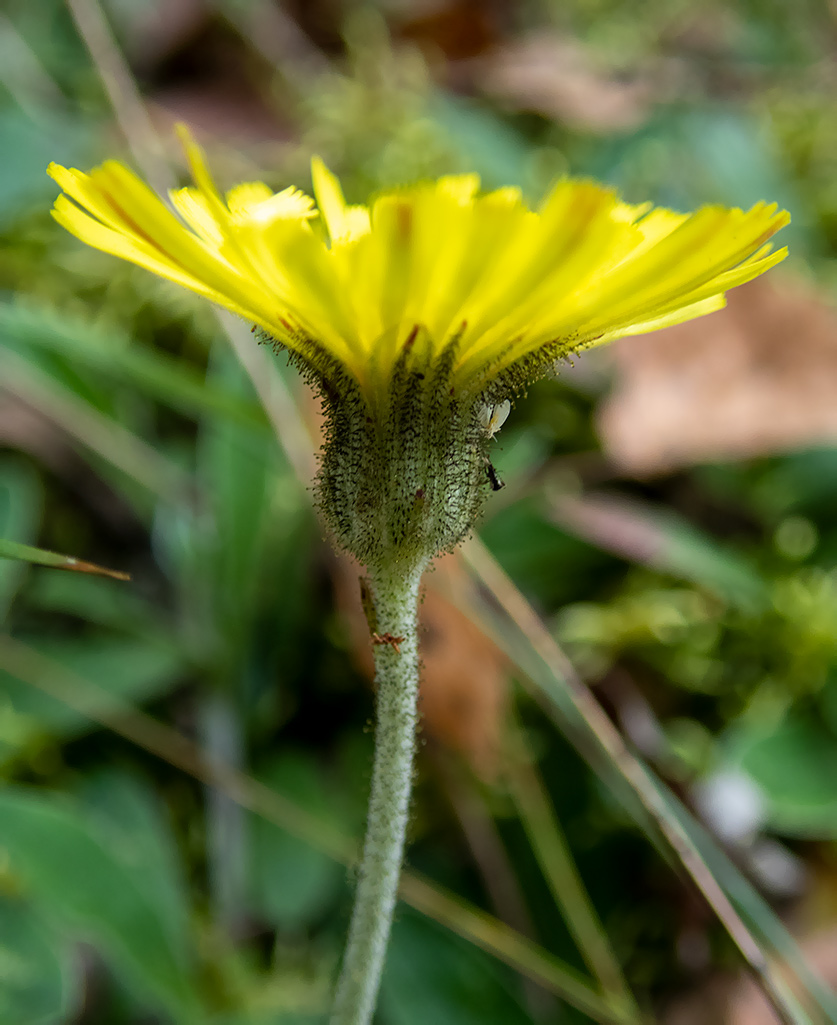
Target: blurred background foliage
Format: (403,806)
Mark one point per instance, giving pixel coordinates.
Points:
(669,513)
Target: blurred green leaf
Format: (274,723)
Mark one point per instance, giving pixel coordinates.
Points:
(291,884)
(97,600)
(759,916)
(804,481)
(741,165)
(236,475)
(709,152)
(795,766)
(432,976)
(124,669)
(696,556)
(37,974)
(546,560)
(20,518)
(127,809)
(72,869)
(269,1018)
(488,145)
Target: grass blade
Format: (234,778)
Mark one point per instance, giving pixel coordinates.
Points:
(643,534)
(753,908)
(41,557)
(550,848)
(155,374)
(508,946)
(96,431)
(569,702)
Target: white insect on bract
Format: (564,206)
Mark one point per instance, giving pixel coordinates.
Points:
(492,418)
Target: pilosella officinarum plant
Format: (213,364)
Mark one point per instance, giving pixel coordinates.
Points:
(418,317)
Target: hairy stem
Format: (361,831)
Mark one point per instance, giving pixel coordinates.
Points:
(395,595)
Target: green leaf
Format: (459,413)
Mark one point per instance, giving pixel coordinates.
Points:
(72,869)
(37,978)
(101,601)
(547,561)
(128,810)
(20,517)
(432,976)
(795,766)
(124,669)
(488,145)
(291,884)
(236,474)
(41,557)
(696,556)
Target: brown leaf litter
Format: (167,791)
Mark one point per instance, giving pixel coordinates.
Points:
(758,377)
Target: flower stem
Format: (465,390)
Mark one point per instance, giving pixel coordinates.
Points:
(395,593)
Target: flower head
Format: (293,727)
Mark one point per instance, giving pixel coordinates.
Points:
(427,266)
(420,314)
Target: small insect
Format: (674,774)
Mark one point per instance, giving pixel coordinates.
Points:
(394,642)
(492,418)
(496,483)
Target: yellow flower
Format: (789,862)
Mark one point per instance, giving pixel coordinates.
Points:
(422,314)
(436,267)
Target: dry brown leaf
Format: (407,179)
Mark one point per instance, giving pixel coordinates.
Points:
(556,76)
(464,684)
(758,377)
(465,675)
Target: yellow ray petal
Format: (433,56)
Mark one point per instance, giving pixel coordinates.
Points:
(428,262)
(344,223)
